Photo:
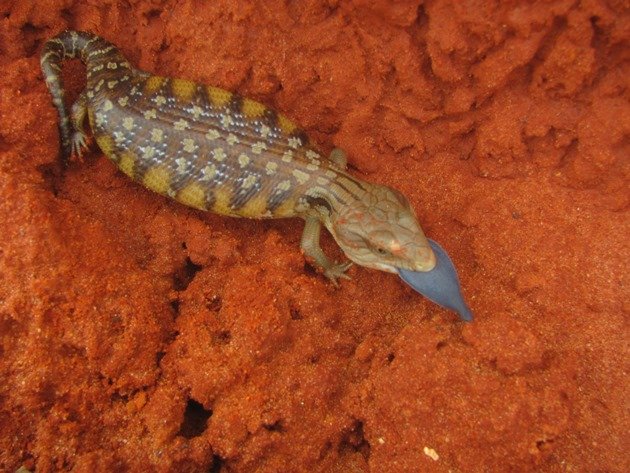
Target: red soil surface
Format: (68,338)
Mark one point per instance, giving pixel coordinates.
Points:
(137,334)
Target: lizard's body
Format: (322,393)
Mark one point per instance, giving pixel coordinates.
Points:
(213,150)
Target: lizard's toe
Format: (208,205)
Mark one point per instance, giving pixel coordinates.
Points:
(338,271)
(79,144)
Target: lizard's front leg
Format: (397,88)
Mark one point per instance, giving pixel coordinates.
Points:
(310,247)
(338,156)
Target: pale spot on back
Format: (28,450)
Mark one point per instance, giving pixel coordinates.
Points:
(295,142)
(243,160)
(310,154)
(284,185)
(232,139)
(196,111)
(271,167)
(157,135)
(209,172)
(127,123)
(219,154)
(182,165)
(301,176)
(150,114)
(249,181)
(180,124)
(119,138)
(287,157)
(213,135)
(148,152)
(258,147)
(265,131)
(189,145)
(99,118)
(226,121)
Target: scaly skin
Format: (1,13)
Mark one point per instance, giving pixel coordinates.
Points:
(214,150)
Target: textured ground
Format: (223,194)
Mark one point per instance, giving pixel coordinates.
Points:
(139,335)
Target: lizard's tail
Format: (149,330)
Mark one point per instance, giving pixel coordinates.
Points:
(66,45)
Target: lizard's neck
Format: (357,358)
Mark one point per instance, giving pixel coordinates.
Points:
(327,200)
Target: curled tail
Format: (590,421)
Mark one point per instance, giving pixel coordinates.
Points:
(67,45)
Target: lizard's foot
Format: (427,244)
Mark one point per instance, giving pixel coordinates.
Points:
(79,144)
(337,271)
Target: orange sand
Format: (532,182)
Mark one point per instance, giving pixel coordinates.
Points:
(139,335)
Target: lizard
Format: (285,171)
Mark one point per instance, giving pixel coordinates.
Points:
(217,151)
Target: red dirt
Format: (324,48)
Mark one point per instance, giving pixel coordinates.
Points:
(127,319)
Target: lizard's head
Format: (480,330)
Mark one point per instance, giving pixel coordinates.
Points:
(380,231)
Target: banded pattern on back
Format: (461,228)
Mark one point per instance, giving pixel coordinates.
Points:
(201,145)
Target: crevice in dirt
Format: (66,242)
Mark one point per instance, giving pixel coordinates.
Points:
(309,269)
(214,304)
(67,15)
(32,35)
(175,306)
(547,44)
(543,365)
(354,441)
(295,313)
(195,420)
(152,14)
(158,356)
(326,449)
(222,337)
(441,344)
(544,443)
(125,397)
(53,177)
(217,464)
(184,275)
(277,426)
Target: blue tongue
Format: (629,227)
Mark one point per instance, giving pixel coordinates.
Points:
(440,284)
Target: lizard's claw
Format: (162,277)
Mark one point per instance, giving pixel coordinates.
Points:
(79,144)
(337,271)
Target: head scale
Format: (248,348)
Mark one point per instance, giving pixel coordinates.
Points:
(379,230)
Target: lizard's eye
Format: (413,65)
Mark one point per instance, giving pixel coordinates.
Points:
(382,251)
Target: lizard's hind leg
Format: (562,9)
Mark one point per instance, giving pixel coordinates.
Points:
(79,140)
